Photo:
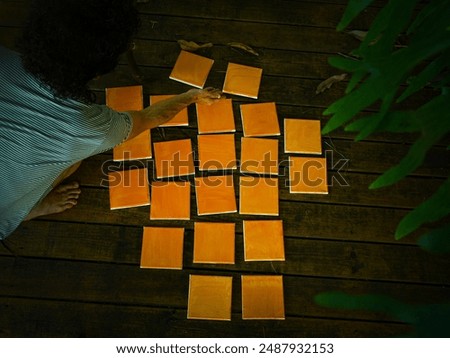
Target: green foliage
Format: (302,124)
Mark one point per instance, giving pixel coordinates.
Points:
(436,241)
(353,9)
(435,208)
(430,321)
(378,75)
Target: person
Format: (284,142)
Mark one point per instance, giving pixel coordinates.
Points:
(49,122)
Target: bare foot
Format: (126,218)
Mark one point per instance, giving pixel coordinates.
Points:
(61,198)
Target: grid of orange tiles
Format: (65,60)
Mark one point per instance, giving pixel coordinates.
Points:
(209,297)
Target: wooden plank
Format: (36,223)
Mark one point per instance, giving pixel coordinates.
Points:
(14,13)
(156,53)
(303,65)
(9,36)
(309,112)
(300,111)
(42,318)
(313,220)
(309,66)
(217,31)
(305,256)
(279,12)
(169,28)
(283,90)
(284,63)
(130,285)
(376,3)
(302,219)
(363,157)
(164,54)
(275,62)
(407,193)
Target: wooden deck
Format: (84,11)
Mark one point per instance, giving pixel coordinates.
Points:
(77,274)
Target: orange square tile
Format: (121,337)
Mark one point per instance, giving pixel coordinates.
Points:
(209,297)
(171,201)
(262,297)
(162,248)
(215,195)
(214,243)
(260,119)
(123,99)
(215,118)
(263,240)
(216,151)
(191,69)
(139,147)
(302,136)
(258,196)
(174,158)
(259,155)
(181,119)
(128,189)
(308,175)
(242,80)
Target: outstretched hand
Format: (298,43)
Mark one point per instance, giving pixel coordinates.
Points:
(163,111)
(206,96)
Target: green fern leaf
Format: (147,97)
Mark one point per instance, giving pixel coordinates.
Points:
(434,120)
(435,208)
(354,7)
(426,76)
(436,241)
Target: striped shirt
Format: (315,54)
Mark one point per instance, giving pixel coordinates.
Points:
(41,136)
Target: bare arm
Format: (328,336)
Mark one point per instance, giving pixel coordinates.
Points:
(163,111)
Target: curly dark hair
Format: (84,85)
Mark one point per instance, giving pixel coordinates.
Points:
(67,43)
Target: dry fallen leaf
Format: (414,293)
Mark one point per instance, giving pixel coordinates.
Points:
(192,46)
(244,47)
(323,86)
(358,34)
(361,36)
